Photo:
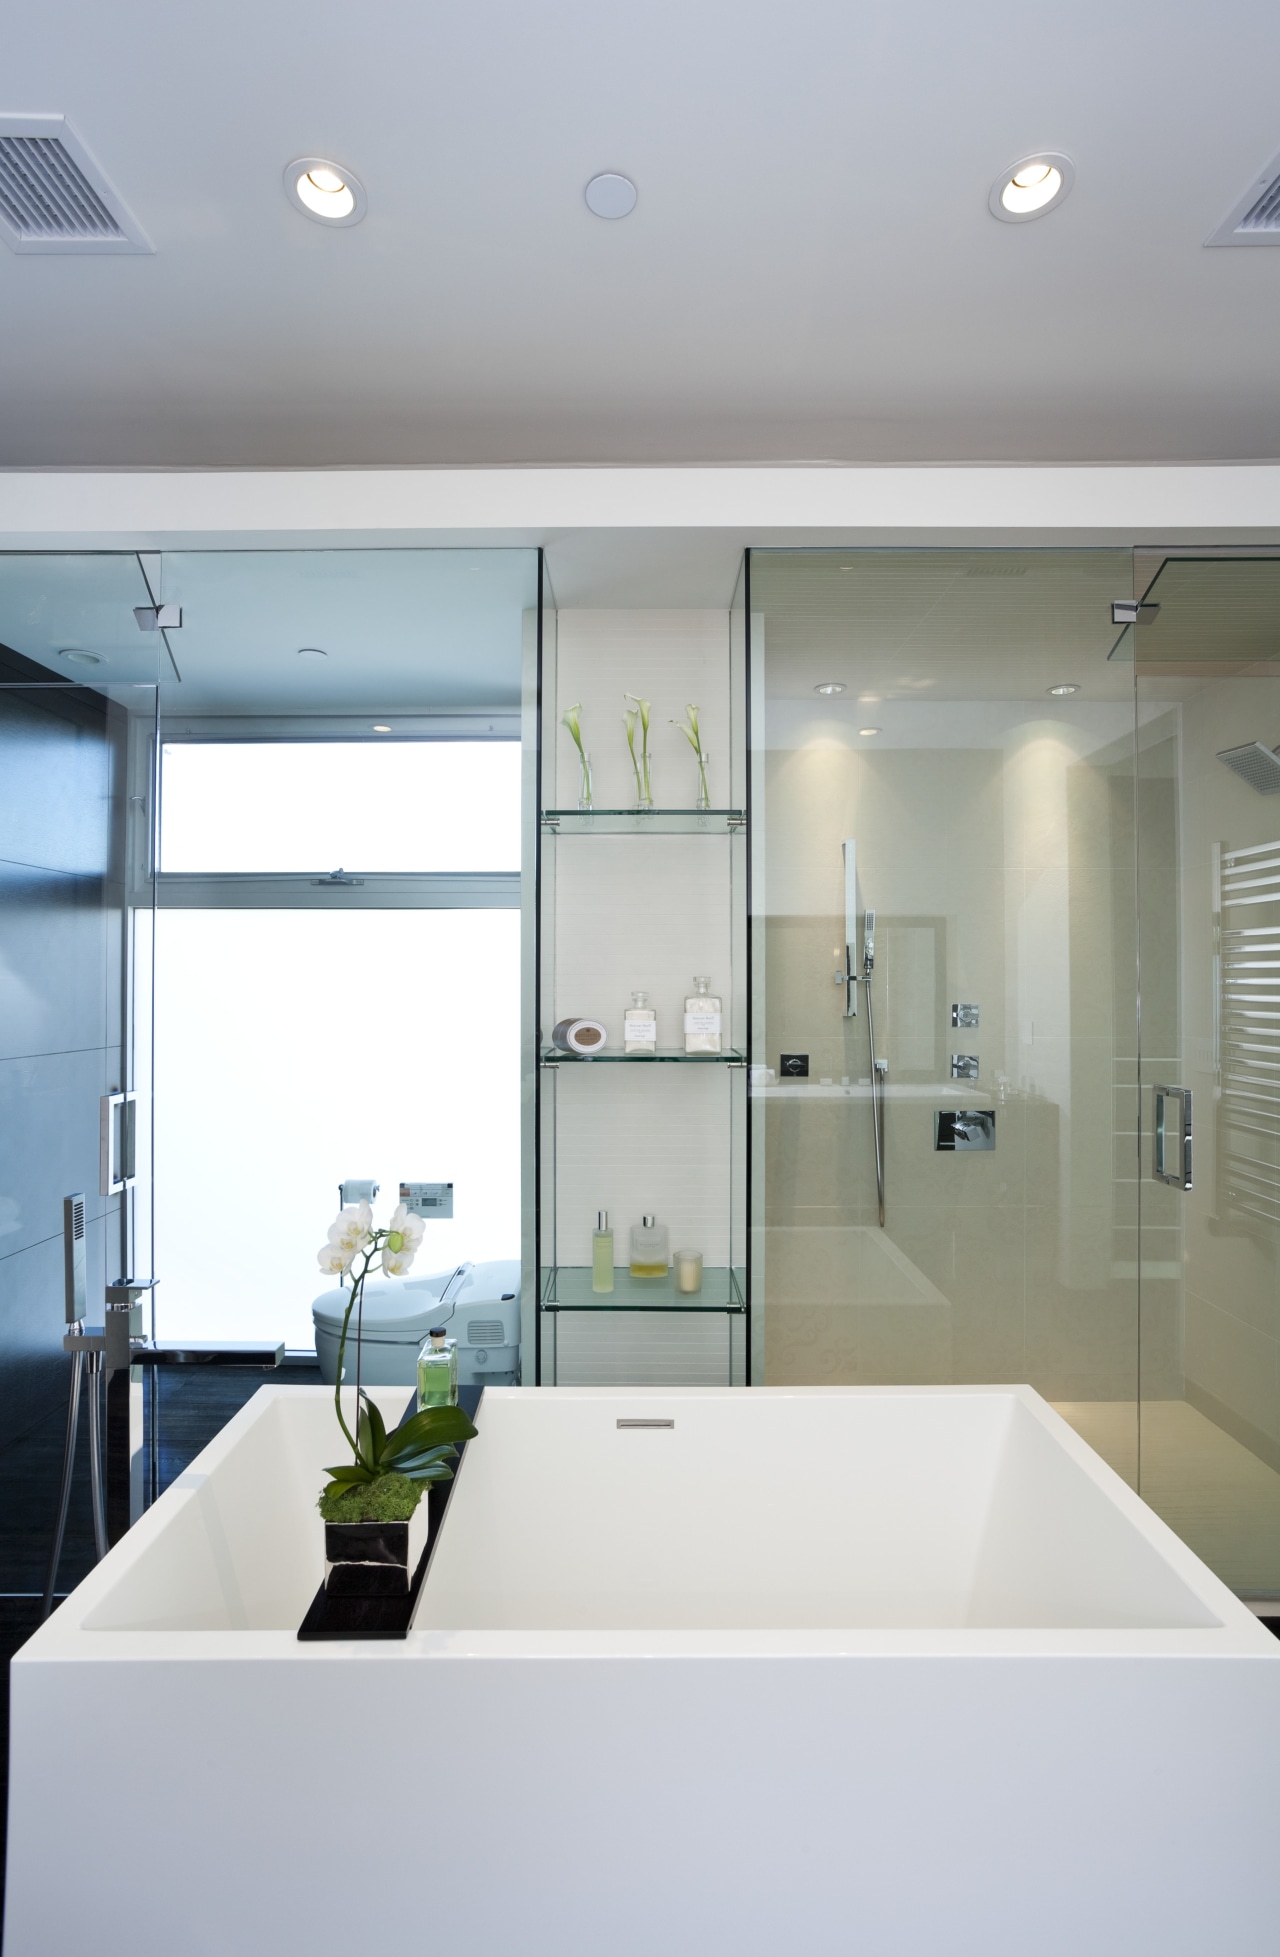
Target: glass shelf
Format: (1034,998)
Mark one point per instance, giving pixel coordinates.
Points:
(567,1287)
(643,822)
(731,1057)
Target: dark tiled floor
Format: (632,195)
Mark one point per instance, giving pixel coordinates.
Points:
(194,1406)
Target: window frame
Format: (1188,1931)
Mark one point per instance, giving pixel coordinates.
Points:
(309,889)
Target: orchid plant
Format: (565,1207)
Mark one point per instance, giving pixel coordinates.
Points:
(639,711)
(571,718)
(689,728)
(421,1448)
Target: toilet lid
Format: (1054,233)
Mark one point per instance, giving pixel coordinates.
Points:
(394,1308)
(402,1310)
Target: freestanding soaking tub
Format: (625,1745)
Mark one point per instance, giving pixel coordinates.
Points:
(907,1673)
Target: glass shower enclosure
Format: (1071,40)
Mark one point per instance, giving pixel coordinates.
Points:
(998,882)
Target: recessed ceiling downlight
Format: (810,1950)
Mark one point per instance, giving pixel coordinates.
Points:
(324,190)
(1064,687)
(866,732)
(1031,187)
(831,686)
(380,727)
(610,195)
(74,657)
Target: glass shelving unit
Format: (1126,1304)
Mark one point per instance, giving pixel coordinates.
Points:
(553,1056)
(634,898)
(642,822)
(569,1289)
(646,1328)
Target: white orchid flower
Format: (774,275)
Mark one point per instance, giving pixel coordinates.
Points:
(404,1235)
(352,1228)
(334,1261)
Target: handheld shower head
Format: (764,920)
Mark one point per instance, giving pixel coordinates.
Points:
(868,940)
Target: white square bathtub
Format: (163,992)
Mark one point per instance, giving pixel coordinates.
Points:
(892,1671)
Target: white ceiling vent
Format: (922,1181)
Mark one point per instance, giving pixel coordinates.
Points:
(53,196)
(1255,218)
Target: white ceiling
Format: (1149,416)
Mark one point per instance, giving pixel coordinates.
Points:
(811,272)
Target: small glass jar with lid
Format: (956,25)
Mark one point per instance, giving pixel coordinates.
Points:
(703,1019)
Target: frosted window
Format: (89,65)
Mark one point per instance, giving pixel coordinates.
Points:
(294,1050)
(281,807)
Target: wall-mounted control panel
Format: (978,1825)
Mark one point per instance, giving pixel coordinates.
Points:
(964,1128)
(964,1066)
(964,1015)
(793,1066)
(433,1199)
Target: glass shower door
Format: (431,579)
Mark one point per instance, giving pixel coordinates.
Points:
(943,765)
(1207,652)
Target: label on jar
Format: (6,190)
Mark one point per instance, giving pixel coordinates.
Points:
(701,1022)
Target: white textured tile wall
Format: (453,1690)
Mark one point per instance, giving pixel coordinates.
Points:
(648,1349)
(640,911)
(668,657)
(632,1140)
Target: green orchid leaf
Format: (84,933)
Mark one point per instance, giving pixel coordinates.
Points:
(409,1464)
(445,1453)
(351,1471)
(438,1471)
(377,1426)
(429,1428)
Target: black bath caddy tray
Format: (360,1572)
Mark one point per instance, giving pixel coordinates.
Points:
(387,1617)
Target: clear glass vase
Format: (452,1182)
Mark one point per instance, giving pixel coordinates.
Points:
(704,793)
(584,787)
(644,785)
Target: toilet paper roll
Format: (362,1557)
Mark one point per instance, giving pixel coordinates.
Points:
(585,1036)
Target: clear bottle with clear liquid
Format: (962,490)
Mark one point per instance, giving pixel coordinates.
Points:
(437,1370)
(650,1248)
(703,1019)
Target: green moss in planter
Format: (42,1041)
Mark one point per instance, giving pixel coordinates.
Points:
(389,1498)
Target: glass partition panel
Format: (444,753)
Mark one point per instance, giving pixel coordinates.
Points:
(338,921)
(1207,645)
(76,764)
(944,1039)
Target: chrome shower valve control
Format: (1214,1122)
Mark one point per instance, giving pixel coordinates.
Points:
(964,1015)
(964,1066)
(964,1129)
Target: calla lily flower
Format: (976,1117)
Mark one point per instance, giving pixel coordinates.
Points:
(640,711)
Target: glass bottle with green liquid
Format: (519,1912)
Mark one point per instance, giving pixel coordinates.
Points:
(437,1370)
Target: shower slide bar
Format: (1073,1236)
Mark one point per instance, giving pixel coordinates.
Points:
(851,978)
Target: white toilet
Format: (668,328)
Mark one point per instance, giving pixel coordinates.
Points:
(478,1304)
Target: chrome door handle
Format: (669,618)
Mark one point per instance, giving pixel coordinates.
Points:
(117,1111)
(1171,1140)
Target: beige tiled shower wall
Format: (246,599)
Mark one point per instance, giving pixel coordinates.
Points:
(1232,1263)
(1003,877)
